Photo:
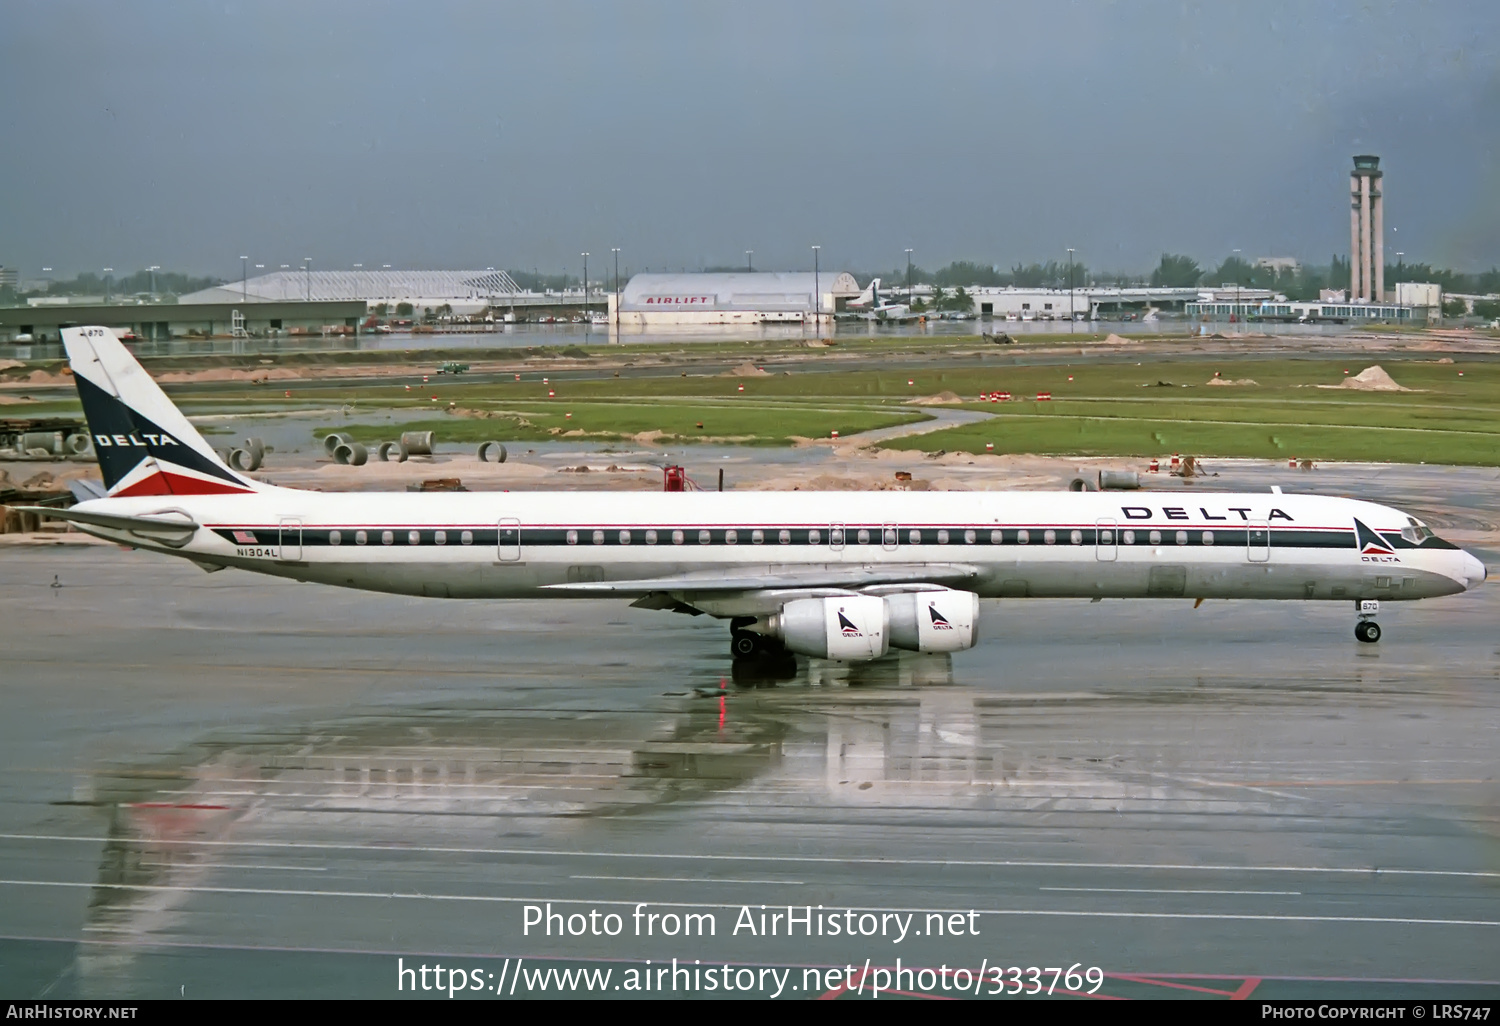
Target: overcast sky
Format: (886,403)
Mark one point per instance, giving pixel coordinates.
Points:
(441,134)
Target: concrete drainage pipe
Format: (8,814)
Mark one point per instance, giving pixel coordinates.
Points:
(350,454)
(486,448)
(417,443)
(245,460)
(392,450)
(333,440)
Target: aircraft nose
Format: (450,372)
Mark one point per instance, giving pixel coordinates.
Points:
(1474,571)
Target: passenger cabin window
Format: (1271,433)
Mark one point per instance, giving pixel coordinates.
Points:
(784,537)
(386,537)
(1181,537)
(677,538)
(704,537)
(996,537)
(969,537)
(1128,537)
(1208,537)
(441,537)
(650,537)
(1076,538)
(572,537)
(1155,537)
(814,537)
(731,537)
(914,537)
(598,537)
(335,538)
(1023,537)
(360,537)
(1049,537)
(467,538)
(942,537)
(414,537)
(863,537)
(757,536)
(624,537)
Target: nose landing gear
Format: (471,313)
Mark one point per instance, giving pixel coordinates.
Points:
(1367,630)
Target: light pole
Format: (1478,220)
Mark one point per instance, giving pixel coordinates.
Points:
(750,260)
(307,276)
(585,289)
(909,298)
(616,251)
(1238,313)
(153,269)
(1071,314)
(107,272)
(817,294)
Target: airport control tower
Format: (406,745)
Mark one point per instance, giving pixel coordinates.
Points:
(1366,231)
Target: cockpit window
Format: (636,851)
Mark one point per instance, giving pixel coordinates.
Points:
(1415,532)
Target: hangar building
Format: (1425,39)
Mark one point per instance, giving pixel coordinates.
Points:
(464,292)
(740,297)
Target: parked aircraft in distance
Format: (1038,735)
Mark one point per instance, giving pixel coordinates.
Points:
(838,575)
(871,307)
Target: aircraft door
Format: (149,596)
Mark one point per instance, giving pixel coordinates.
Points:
(1106,540)
(1258,541)
(836,537)
(508,540)
(890,537)
(289,544)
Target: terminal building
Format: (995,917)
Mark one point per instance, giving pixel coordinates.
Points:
(741,297)
(1087,302)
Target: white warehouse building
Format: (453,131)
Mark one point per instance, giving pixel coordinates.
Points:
(741,297)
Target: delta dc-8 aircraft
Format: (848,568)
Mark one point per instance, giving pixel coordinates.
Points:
(837,575)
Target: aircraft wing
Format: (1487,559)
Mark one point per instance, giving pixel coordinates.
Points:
(167,531)
(782,576)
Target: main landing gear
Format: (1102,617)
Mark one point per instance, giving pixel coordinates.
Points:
(758,659)
(1367,630)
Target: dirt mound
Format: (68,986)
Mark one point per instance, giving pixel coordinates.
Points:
(11,400)
(228,374)
(1373,379)
(1116,340)
(941,399)
(6,365)
(1233,381)
(747,370)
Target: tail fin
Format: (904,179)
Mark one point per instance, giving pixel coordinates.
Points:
(144,444)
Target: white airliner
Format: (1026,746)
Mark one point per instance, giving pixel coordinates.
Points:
(871,307)
(838,575)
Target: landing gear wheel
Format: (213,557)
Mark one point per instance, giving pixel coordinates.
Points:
(744,645)
(1367,631)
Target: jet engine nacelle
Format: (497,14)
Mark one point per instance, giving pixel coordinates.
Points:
(849,627)
(934,621)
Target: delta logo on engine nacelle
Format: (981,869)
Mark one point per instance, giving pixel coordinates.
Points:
(939,621)
(847,628)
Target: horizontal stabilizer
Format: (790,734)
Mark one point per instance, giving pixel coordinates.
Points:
(783,576)
(172,531)
(84,490)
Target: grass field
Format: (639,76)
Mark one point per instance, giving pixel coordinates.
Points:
(747,423)
(1117,409)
